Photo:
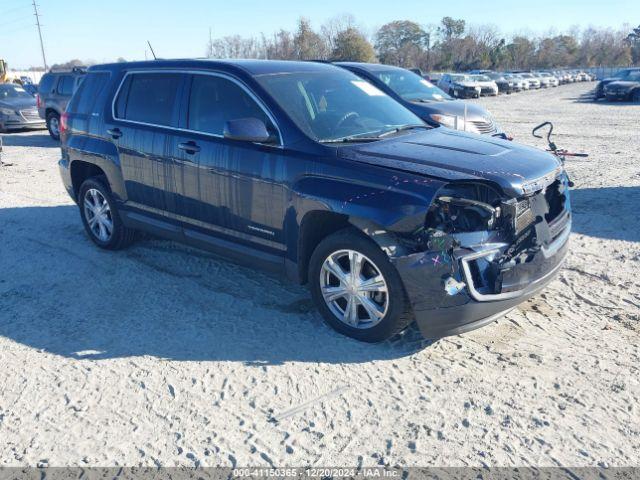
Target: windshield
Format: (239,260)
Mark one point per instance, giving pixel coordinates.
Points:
(13,91)
(481,78)
(411,87)
(334,105)
(460,78)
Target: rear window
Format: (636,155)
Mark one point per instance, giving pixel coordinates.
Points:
(65,85)
(46,84)
(149,98)
(90,93)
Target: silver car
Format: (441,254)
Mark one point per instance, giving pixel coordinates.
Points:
(534,82)
(18,109)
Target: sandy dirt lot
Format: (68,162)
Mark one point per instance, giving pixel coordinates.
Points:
(165,355)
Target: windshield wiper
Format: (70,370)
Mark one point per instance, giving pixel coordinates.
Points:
(351,139)
(401,129)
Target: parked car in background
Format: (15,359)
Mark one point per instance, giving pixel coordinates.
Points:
(424,99)
(533,81)
(54,92)
(620,75)
(504,84)
(627,89)
(31,89)
(309,170)
(547,80)
(460,85)
(519,84)
(18,109)
(562,76)
(487,86)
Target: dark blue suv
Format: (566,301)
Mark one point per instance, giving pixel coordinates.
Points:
(307,169)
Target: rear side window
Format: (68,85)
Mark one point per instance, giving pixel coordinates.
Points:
(149,98)
(46,84)
(89,94)
(65,85)
(215,100)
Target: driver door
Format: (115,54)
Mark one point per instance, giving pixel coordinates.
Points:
(226,187)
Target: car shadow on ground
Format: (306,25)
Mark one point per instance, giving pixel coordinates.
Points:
(61,294)
(34,140)
(590,98)
(607,212)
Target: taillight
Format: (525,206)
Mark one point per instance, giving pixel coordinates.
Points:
(38,101)
(63,122)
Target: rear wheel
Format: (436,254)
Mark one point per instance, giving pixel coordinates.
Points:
(357,289)
(53,125)
(100,216)
(635,95)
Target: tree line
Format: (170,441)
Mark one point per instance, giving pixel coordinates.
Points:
(449,45)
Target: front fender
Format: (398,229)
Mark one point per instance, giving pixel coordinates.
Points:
(398,204)
(382,210)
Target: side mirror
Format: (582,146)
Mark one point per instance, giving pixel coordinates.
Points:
(247,130)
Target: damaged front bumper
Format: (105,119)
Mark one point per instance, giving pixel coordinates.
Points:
(454,290)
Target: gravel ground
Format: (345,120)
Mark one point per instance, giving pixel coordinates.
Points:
(165,355)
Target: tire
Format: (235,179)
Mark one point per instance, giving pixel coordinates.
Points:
(94,191)
(635,95)
(53,125)
(396,315)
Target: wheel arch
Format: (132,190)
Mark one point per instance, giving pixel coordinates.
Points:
(81,171)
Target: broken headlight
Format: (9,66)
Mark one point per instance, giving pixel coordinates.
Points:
(464,208)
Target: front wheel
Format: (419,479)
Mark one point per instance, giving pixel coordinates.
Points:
(357,289)
(635,96)
(100,216)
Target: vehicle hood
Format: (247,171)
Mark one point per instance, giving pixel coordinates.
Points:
(622,84)
(449,107)
(486,84)
(18,103)
(454,155)
(468,84)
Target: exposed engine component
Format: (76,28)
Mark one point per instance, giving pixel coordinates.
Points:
(464,208)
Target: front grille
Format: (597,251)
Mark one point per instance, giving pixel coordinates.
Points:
(486,90)
(30,115)
(484,126)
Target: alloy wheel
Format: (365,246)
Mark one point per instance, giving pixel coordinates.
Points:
(54,124)
(354,289)
(98,215)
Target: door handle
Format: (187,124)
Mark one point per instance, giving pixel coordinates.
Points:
(189,147)
(115,133)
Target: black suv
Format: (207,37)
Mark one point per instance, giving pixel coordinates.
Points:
(620,76)
(54,92)
(307,169)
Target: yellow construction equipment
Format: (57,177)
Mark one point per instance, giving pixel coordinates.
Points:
(4,73)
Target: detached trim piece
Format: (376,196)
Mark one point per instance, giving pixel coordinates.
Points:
(482,297)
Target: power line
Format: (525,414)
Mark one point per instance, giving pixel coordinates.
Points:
(15,20)
(13,30)
(15,9)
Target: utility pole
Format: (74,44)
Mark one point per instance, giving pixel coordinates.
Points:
(35,9)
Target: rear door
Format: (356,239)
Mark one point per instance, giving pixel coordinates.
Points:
(145,111)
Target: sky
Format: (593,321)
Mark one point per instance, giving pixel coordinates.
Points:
(102,31)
